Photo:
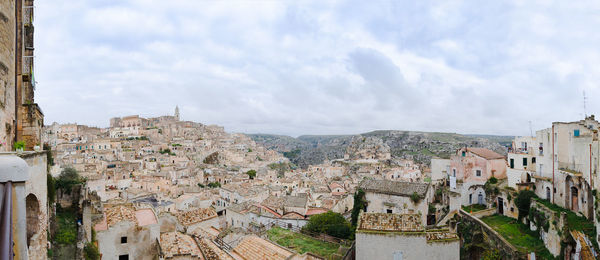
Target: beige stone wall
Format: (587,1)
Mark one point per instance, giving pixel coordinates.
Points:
(7,73)
(386,245)
(37,186)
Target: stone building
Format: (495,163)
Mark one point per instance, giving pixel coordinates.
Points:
(402,236)
(471,168)
(386,196)
(23,190)
(125,233)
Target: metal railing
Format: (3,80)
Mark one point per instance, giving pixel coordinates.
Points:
(27,15)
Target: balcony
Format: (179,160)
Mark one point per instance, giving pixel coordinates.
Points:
(28,15)
(28,70)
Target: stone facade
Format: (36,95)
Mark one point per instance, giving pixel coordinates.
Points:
(7,74)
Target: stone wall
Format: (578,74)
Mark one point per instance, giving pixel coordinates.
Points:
(492,238)
(37,193)
(7,73)
(385,245)
(555,222)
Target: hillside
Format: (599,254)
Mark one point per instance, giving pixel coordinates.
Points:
(419,146)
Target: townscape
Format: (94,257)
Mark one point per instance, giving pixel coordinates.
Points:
(168,188)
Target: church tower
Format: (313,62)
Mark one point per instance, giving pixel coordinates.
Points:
(177,112)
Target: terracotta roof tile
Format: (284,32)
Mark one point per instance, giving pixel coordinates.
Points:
(195,216)
(394,187)
(178,244)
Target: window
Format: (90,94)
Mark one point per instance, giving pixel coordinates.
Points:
(512,163)
(454,172)
(389,210)
(532,160)
(478,173)
(524,161)
(576,132)
(123,240)
(464,153)
(124,257)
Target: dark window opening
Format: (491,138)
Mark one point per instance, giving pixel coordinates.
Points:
(389,211)
(524,161)
(123,240)
(532,159)
(124,257)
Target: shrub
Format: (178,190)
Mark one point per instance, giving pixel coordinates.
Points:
(415,197)
(523,202)
(67,179)
(91,251)
(330,223)
(251,174)
(359,203)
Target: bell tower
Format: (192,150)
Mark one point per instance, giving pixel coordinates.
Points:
(177,112)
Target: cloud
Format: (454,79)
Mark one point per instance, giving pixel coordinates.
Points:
(314,67)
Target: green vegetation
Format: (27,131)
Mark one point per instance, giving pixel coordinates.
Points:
(176,145)
(137,138)
(249,150)
(51,185)
(574,222)
(166,151)
(292,154)
(214,185)
(66,233)
(200,185)
(330,223)
(282,167)
(91,251)
(523,202)
(415,198)
(301,243)
(20,145)
(474,207)
(251,174)
(67,179)
(519,235)
(359,204)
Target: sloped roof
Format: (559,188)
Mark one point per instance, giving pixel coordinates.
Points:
(179,244)
(253,247)
(399,188)
(195,216)
(390,222)
(485,153)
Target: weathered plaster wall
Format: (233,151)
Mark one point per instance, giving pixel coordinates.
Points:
(385,245)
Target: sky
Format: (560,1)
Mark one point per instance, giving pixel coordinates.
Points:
(320,67)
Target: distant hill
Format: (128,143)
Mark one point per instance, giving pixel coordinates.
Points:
(419,146)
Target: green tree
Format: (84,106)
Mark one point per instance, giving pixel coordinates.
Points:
(214,185)
(251,174)
(67,179)
(523,202)
(51,183)
(330,223)
(359,203)
(91,251)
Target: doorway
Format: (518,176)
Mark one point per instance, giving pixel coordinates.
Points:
(500,206)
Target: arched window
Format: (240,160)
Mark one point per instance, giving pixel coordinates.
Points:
(32,206)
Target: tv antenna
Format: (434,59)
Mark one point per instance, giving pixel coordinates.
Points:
(584,104)
(530,128)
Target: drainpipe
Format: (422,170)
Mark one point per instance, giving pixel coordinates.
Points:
(553,189)
(591,183)
(6,233)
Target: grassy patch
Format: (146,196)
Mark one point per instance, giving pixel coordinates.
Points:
(574,222)
(301,243)
(66,233)
(518,234)
(474,207)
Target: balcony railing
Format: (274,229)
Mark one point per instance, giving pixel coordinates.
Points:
(28,69)
(27,15)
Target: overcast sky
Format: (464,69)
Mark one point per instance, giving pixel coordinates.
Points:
(320,67)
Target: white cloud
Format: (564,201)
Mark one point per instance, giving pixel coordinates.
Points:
(315,67)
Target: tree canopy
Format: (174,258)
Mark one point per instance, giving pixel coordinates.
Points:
(67,179)
(251,174)
(330,223)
